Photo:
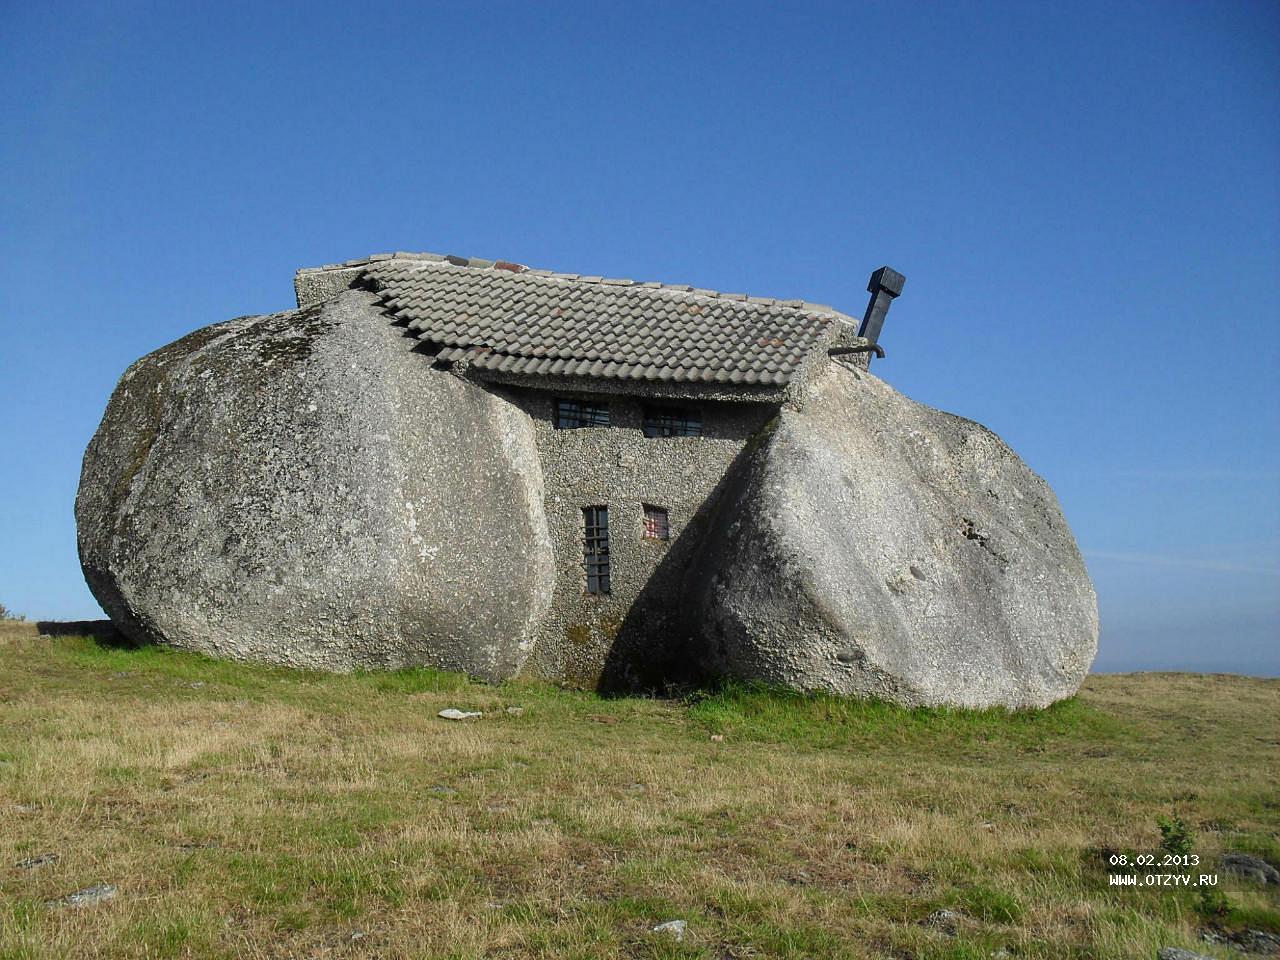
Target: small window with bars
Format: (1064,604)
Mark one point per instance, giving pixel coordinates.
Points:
(595,548)
(656,525)
(672,422)
(572,414)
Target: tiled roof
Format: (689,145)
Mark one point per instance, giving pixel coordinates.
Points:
(506,318)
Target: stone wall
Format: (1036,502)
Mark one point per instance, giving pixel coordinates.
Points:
(635,634)
(321,283)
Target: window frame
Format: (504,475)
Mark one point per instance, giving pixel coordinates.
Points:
(655,523)
(658,421)
(595,549)
(581,414)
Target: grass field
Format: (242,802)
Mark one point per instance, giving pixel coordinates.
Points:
(244,811)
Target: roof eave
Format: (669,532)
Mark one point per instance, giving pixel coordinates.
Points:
(656,389)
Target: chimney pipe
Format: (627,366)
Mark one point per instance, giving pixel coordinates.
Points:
(886,283)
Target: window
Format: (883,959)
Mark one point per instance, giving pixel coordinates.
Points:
(571,414)
(672,422)
(595,548)
(656,526)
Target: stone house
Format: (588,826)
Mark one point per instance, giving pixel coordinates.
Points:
(642,396)
(477,466)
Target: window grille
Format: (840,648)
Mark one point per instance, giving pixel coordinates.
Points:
(672,422)
(595,548)
(656,526)
(571,414)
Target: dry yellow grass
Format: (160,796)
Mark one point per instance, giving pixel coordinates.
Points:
(251,812)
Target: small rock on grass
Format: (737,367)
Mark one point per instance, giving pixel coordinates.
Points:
(1250,940)
(717,738)
(1249,867)
(944,920)
(1177,953)
(190,843)
(516,711)
(453,714)
(1260,941)
(40,860)
(99,893)
(675,928)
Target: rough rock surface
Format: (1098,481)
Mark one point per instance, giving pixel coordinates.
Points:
(98,893)
(1249,867)
(302,488)
(873,546)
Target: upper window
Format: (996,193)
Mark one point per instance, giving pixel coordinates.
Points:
(672,422)
(595,548)
(656,525)
(571,414)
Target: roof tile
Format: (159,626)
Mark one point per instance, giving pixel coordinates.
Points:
(533,322)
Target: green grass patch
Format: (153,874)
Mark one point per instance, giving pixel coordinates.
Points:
(990,904)
(415,680)
(752,711)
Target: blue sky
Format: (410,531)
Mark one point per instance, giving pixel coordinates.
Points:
(1085,199)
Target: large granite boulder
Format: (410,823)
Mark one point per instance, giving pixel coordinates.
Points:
(873,546)
(302,488)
